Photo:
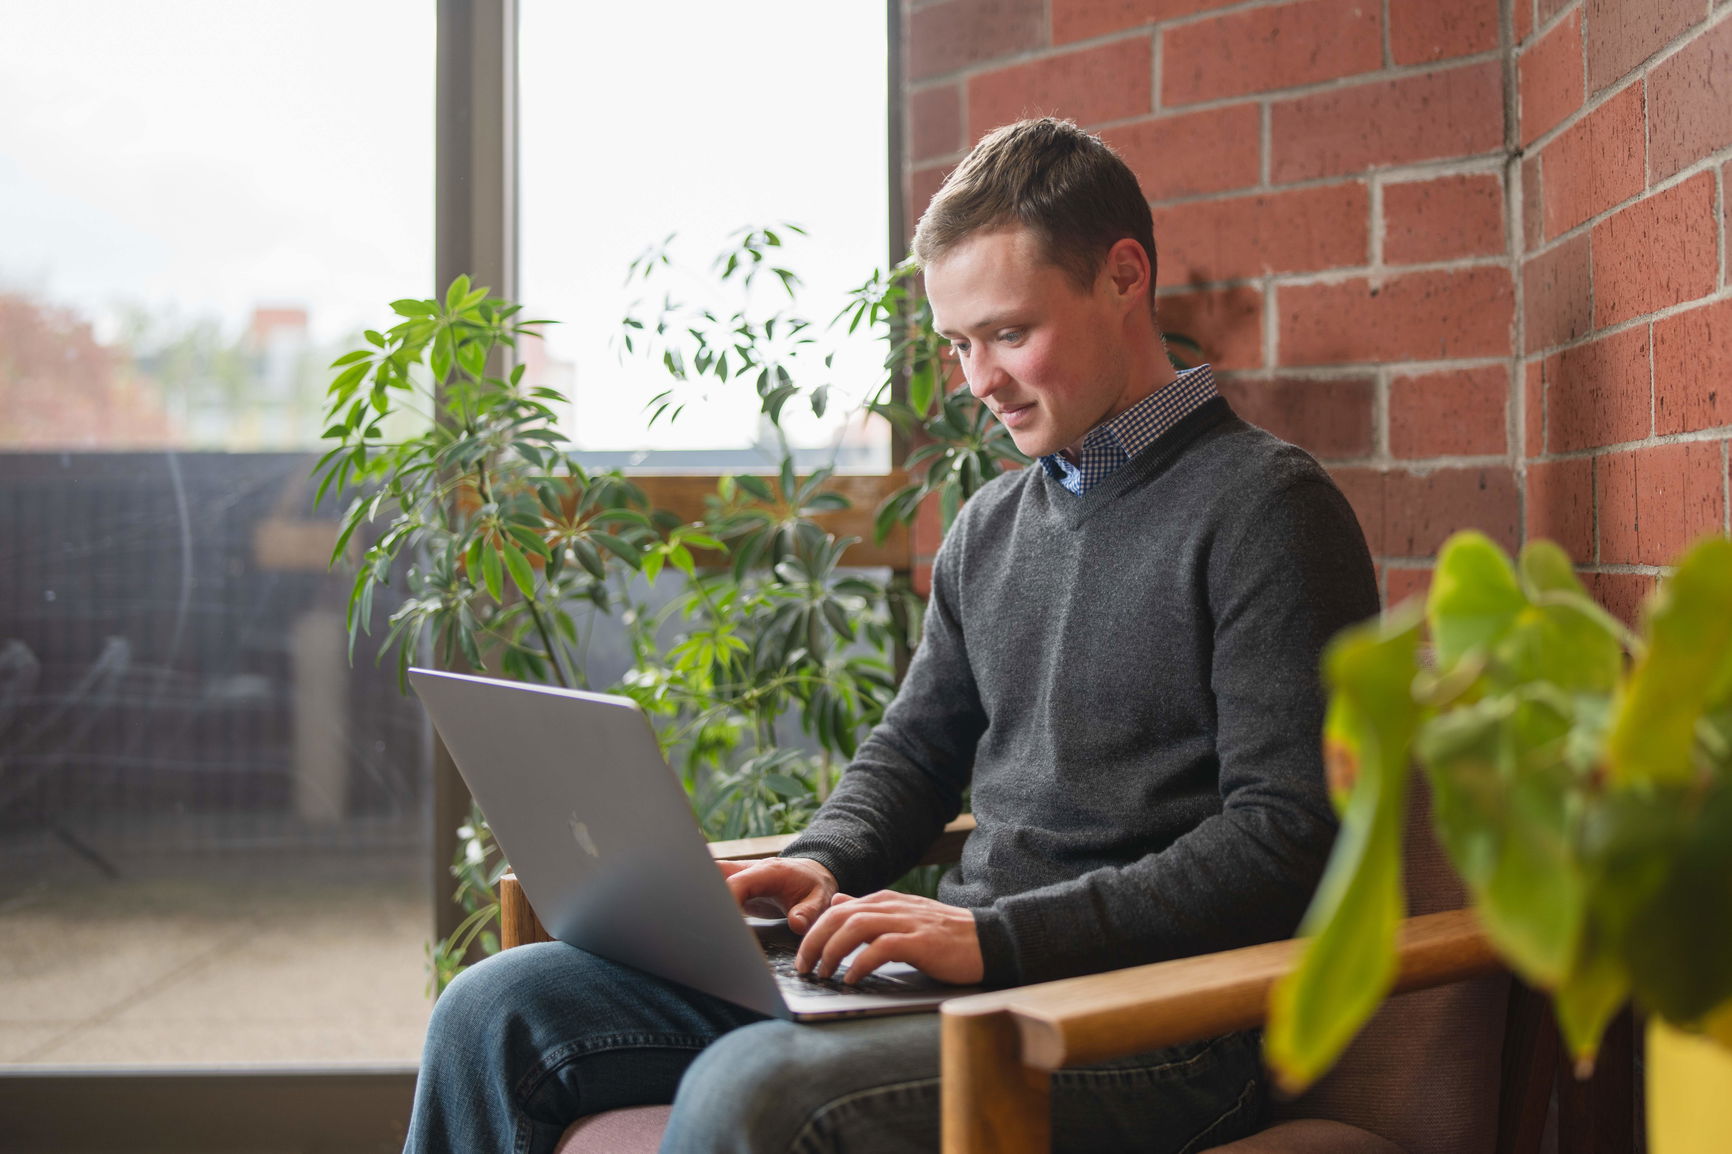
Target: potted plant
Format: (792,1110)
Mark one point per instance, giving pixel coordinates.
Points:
(463,498)
(1581,779)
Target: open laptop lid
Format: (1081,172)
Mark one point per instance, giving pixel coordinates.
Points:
(598,830)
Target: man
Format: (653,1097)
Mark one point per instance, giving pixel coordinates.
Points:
(1120,658)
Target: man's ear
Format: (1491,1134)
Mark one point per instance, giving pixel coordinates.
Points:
(1127,271)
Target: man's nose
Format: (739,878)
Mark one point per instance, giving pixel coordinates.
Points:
(985,375)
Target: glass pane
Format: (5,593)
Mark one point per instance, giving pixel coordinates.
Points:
(213,840)
(697,119)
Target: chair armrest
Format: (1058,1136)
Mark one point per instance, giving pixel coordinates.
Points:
(999,1047)
(947,848)
(519,926)
(1078,1021)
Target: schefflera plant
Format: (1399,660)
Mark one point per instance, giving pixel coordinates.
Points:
(1581,780)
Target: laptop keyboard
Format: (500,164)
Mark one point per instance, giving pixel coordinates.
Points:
(781,960)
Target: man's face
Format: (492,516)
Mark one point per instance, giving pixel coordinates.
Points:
(1046,357)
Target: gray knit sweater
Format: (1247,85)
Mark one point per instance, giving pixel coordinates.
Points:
(1129,681)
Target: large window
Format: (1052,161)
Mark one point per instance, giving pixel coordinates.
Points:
(213,840)
(695,119)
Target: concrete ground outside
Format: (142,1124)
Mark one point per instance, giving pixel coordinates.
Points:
(254,956)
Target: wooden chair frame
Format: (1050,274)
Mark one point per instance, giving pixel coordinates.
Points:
(1000,1048)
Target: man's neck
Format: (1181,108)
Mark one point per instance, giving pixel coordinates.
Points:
(1160,374)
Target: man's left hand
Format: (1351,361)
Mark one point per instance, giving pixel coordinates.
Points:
(939,940)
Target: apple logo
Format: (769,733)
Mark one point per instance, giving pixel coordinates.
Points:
(580,835)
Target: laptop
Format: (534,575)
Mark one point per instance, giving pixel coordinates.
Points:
(603,840)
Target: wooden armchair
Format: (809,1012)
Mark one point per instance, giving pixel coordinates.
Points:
(1436,1070)
(1458,1066)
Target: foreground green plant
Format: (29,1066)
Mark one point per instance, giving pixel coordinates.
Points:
(1581,780)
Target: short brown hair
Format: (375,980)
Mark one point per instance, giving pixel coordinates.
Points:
(1051,177)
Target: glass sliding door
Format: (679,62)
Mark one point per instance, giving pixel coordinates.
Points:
(213,830)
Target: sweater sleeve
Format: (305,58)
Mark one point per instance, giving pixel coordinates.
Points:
(907,778)
(1299,572)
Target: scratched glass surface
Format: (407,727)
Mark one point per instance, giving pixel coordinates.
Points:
(213,835)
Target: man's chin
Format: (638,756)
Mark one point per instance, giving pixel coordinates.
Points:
(1033,446)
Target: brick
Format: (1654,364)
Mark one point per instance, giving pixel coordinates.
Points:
(1422,510)
(1268,48)
(1331,419)
(1425,116)
(1533,205)
(1599,393)
(1623,33)
(1228,323)
(1557,296)
(1550,8)
(1457,413)
(1364,490)
(1443,219)
(1418,316)
(955,34)
(921,579)
(1690,103)
(1524,20)
(1085,19)
(1534,408)
(1597,162)
(1193,152)
(1112,82)
(1275,232)
(1560,505)
(1655,501)
(1693,369)
(1408,583)
(1426,31)
(923,184)
(1621,594)
(928,529)
(1658,252)
(935,121)
(1550,77)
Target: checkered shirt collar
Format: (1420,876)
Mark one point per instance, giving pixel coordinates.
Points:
(1112,443)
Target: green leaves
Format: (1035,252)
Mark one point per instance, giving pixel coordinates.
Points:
(1687,668)
(1587,808)
(1474,597)
(1348,965)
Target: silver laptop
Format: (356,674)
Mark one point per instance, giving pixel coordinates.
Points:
(601,837)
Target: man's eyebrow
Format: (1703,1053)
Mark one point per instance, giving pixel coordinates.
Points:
(992,321)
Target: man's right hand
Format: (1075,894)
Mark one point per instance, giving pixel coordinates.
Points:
(770,887)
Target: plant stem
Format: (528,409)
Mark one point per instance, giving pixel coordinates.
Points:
(547,641)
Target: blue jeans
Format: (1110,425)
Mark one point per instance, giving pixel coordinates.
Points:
(535,1037)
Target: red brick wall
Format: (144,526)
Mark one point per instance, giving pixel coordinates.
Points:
(1471,253)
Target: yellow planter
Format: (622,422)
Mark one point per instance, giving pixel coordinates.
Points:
(1689,1093)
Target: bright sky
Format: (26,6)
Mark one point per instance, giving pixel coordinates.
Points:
(207,156)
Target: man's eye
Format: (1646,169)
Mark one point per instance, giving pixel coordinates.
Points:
(1010,336)
(957,348)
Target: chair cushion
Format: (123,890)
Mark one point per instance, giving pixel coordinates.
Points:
(1311,1136)
(637,1130)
